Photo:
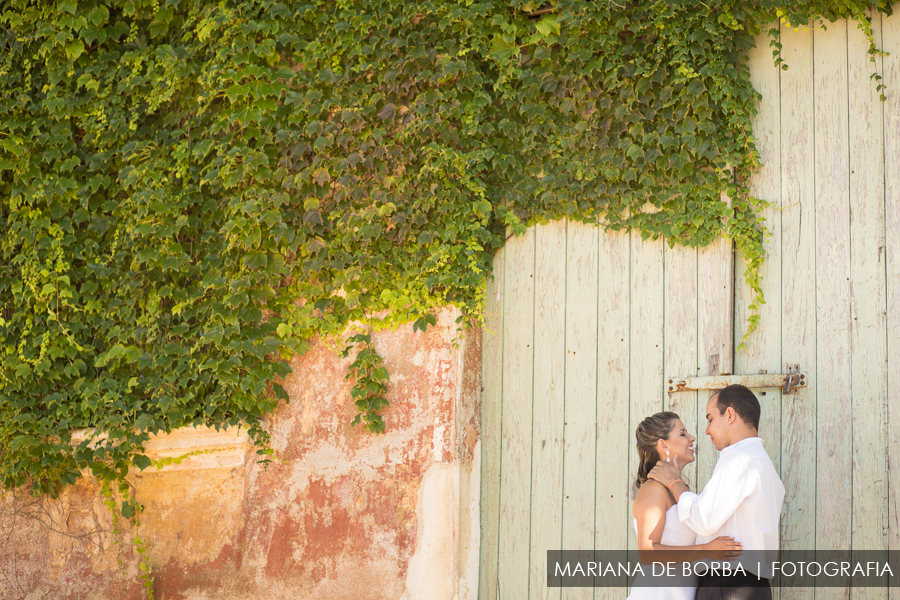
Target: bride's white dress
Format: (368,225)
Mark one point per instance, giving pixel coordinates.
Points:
(677,587)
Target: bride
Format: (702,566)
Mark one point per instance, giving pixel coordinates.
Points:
(661,536)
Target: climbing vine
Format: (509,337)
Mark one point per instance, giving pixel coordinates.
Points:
(192,191)
(370,383)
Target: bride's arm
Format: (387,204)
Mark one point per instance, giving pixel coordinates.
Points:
(649,510)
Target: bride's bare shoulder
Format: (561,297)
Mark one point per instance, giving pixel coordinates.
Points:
(651,493)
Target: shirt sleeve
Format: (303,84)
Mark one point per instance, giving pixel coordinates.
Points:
(732,481)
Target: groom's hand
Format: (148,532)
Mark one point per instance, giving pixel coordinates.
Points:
(666,473)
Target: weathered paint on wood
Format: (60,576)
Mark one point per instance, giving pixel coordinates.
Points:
(647,341)
(615,435)
(763,349)
(891,43)
(549,402)
(798,291)
(681,342)
(715,331)
(832,202)
(634,311)
(581,393)
(515,451)
(868,346)
(491,406)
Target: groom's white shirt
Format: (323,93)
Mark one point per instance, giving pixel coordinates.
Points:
(742,499)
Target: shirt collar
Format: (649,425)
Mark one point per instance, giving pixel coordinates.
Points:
(745,442)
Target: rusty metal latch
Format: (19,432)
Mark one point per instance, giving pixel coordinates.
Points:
(790,383)
(792,378)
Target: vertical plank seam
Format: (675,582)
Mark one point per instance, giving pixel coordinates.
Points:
(883,399)
(886,406)
(628,471)
(781,266)
(815,517)
(850,322)
(503,308)
(698,357)
(596,387)
(735,286)
(531,436)
(781,363)
(778,143)
(662,383)
(695,370)
(562,496)
(731,257)
(596,379)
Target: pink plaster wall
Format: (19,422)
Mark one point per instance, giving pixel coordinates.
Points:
(335,516)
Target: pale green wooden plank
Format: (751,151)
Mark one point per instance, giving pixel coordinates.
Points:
(798,293)
(581,393)
(515,449)
(491,403)
(798,282)
(615,438)
(647,343)
(706,454)
(763,348)
(868,350)
(715,334)
(891,43)
(832,176)
(681,341)
(549,398)
(680,332)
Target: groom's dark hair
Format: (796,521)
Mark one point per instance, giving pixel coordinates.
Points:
(742,400)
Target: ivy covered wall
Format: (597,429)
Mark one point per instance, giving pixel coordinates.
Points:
(191,192)
(340,514)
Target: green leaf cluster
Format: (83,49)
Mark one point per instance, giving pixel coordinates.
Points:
(193,190)
(370,386)
(142,242)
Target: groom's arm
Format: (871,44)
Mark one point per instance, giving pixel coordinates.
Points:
(731,482)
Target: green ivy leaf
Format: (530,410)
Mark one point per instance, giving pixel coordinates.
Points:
(74,49)
(548,25)
(503,49)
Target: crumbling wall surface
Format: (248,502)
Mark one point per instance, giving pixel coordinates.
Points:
(65,548)
(338,514)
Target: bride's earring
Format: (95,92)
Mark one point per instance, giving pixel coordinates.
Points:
(667,455)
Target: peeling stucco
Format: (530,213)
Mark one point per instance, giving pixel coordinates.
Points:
(445,562)
(339,513)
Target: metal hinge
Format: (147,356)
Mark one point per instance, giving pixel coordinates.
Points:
(789,383)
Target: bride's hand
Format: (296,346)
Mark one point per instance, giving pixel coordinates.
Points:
(724,548)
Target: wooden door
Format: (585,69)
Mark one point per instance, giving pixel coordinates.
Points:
(583,325)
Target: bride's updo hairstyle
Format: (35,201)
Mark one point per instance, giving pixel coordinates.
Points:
(651,430)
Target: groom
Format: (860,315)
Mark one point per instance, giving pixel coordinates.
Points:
(742,498)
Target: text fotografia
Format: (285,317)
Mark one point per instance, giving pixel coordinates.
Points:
(607,568)
(723,569)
